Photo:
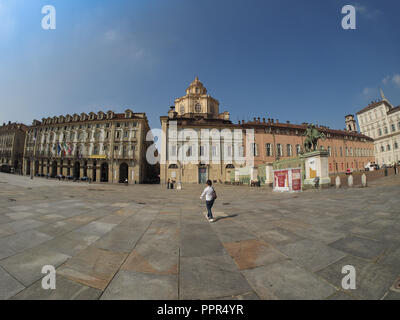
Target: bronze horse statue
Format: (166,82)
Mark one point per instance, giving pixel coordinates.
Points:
(312,137)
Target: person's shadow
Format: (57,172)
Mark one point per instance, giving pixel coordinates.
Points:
(225,217)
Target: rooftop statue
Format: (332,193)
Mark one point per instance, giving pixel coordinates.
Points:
(312,136)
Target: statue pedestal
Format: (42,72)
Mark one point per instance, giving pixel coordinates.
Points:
(316,165)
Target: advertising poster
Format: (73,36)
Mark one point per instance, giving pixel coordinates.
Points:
(296,179)
(281,180)
(287,180)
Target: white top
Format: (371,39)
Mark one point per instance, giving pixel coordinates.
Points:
(208,193)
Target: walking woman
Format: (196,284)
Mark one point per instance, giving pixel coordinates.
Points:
(211,195)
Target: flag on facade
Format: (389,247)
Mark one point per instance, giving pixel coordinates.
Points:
(58,148)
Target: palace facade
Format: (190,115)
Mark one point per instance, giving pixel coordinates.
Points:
(105,147)
(347,149)
(12,138)
(197,111)
(380,121)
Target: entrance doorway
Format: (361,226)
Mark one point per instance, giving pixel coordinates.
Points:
(104,172)
(94,171)
(36,168)
(123,172)
(28,167)
(54,169)
(202,175)
(77,170)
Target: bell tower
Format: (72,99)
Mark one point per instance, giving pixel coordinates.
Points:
(351,125)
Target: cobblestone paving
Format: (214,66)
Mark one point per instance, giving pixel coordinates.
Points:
(147,242)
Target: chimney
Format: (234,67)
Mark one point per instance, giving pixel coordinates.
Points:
(277,121)
(263,120)
(288,121)
(258,119)
(254,119)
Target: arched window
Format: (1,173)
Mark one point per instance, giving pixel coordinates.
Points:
(197,108)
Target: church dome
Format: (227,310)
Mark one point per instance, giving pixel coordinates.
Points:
(196,87)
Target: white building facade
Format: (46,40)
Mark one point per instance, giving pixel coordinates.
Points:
(381,121)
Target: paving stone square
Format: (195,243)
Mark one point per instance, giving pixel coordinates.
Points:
(147,242)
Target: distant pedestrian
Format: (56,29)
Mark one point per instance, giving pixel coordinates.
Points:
(395,168)
(211,195)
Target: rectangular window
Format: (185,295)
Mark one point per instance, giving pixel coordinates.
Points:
(268,150)
(289,150)
(254,149)
(298,150)
(279,149)
(189,151)
(229,151)
(201,151)
(173,150)
(393,127)
(115,148)
(126,134)
(214,151)
(118,125)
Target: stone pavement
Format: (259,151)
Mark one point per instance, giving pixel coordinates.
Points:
(147,242)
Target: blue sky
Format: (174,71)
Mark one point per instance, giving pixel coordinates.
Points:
(287,60)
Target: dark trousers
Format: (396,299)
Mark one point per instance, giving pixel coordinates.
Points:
(209,205)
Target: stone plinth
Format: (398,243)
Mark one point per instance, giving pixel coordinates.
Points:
(316,165)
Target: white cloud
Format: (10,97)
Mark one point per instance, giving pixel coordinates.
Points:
(396,79)
(367,12)
(367,92)
(386,79)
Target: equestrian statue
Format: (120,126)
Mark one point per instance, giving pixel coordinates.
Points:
(312,137)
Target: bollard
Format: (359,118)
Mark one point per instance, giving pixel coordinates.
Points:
(364,180)
(386,172)
(337,182)
(350,180)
